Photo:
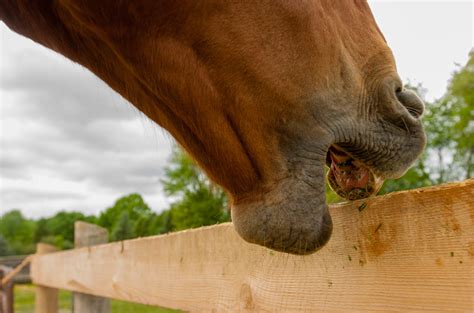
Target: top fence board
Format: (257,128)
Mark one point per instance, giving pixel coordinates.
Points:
(405,251)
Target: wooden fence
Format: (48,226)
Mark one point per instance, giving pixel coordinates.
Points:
(6,291)
(12,262)
(407,251)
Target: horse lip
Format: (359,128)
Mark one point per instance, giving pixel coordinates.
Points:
(335,150)
(337,159)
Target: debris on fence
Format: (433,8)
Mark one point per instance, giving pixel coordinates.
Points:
(362,206)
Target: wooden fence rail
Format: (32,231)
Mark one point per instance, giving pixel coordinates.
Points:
(407,251)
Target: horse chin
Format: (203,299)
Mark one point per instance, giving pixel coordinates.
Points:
(291,217)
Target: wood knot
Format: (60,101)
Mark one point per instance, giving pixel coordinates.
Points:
(246,297)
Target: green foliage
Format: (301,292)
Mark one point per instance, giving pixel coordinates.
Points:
(129,307)
(133,204)
(25,303)
(142,226)
(198,209)
(4,246)
(18,232)
(198,201)
(162,223)
(460,98)
(58,230)
(156,224)
(131,217)
(25,299)
(124,228)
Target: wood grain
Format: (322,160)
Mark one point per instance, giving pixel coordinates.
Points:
(407,251)
(86,235)
(46,298)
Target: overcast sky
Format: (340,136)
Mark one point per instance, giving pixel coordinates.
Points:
(68,142)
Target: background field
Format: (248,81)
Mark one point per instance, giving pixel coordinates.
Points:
(25,299)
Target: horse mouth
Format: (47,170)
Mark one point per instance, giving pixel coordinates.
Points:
(349,177)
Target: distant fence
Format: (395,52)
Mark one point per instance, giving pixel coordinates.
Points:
(13,261)
(406,251)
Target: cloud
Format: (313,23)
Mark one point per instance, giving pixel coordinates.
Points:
(67,141)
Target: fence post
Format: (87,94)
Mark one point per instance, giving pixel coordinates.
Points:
(46,300)
(6,292)
(86,235)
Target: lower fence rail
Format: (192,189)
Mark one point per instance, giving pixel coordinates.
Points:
(406,251)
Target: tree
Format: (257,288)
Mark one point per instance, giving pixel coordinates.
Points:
(18,232)
(460,97)
(124,228)
(138,212)
(161,223)
(198,208)
(58,230)
(198,201)
(4,247)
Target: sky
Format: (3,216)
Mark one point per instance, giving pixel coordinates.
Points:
(68,142)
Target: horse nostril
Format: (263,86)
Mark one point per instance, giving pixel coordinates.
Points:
(411,102)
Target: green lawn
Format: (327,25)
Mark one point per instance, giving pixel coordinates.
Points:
(25,298)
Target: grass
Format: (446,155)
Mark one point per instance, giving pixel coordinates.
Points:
(25,299)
